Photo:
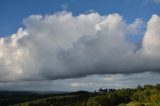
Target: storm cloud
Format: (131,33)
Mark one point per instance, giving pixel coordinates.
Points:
(61,46)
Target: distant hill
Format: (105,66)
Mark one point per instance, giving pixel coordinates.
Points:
(13,97)
(148,95)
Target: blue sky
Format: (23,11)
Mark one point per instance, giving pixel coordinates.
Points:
(12,12)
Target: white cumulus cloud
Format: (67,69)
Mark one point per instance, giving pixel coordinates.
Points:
(62,46)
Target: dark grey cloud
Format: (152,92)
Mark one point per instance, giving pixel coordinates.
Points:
(90,83)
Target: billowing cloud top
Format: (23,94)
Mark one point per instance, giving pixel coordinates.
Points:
(62,46)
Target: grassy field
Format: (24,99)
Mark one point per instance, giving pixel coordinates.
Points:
(66,100)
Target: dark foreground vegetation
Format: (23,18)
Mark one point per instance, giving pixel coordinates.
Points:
(141,96)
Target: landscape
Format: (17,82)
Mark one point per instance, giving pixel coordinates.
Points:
(148,95)
(79,52)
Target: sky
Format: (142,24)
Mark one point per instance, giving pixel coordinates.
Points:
(70,45)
